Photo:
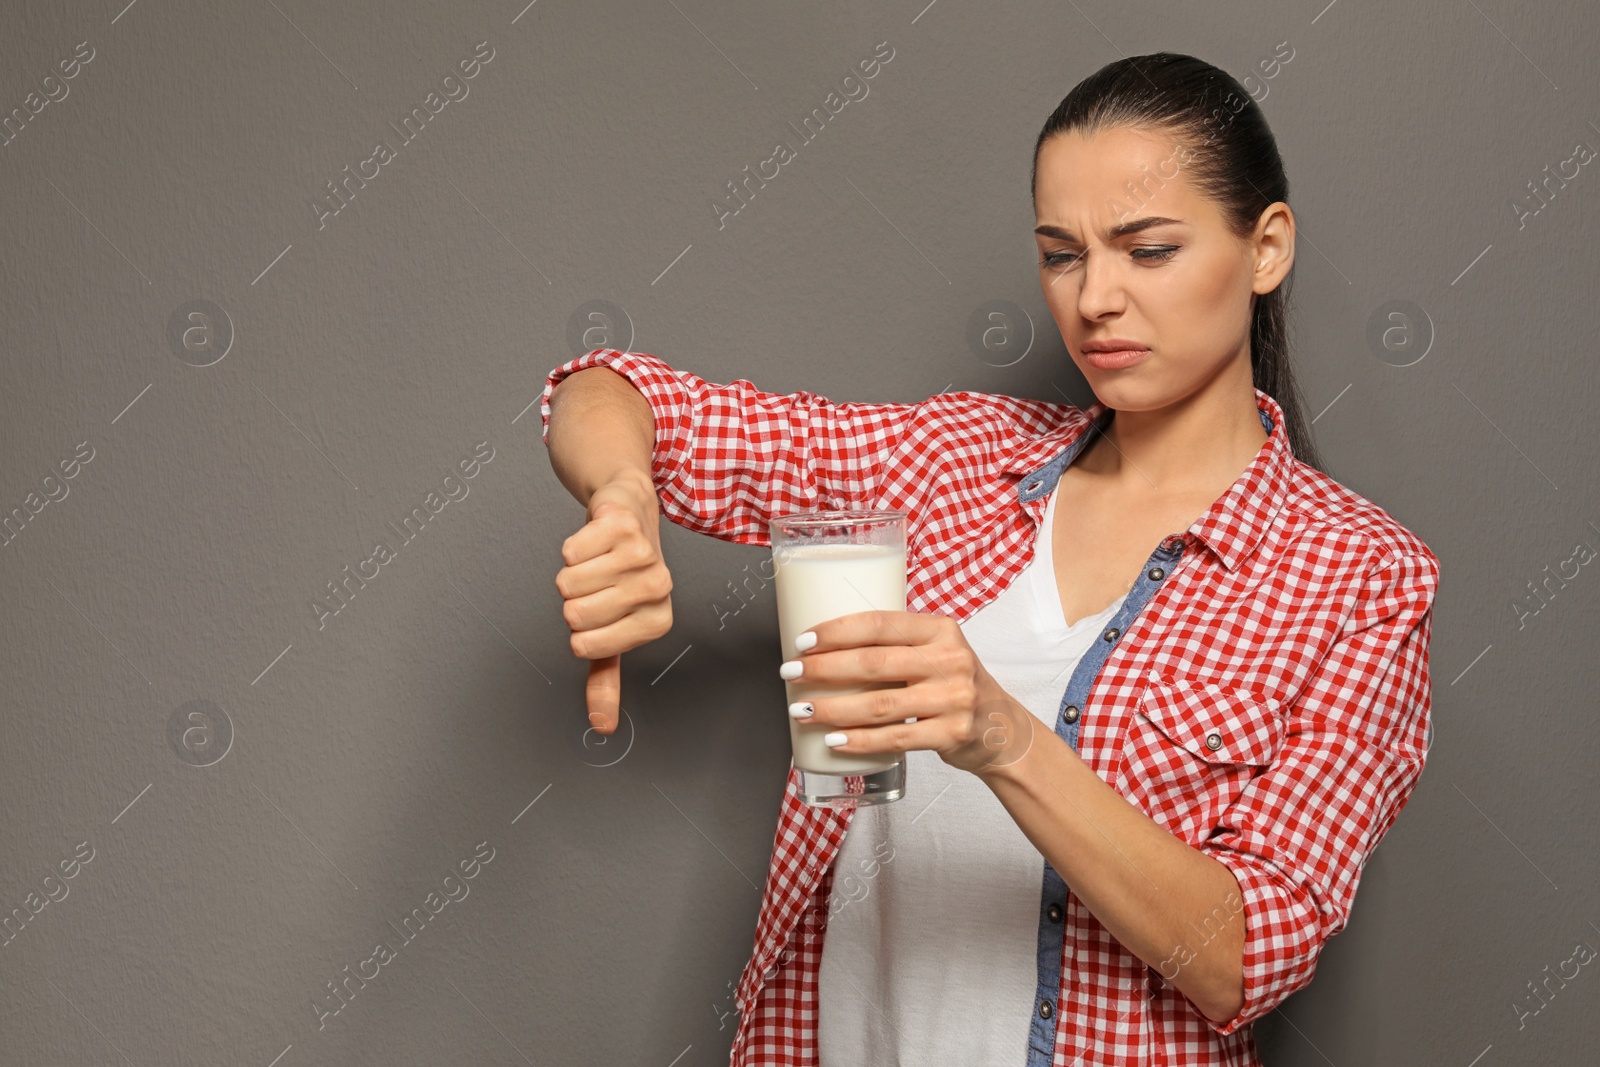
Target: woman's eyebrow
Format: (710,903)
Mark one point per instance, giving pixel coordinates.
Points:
(1121,230)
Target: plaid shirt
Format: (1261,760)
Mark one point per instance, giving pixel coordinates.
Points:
(1293,626)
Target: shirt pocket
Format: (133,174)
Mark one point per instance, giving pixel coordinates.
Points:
(1192,747)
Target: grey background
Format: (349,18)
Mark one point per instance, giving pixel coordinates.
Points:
(442,708)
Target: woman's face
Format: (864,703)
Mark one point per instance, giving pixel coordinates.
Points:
(1131,252)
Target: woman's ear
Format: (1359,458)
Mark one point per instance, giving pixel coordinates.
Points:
(1272,247)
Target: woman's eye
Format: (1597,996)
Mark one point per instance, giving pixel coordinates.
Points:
(1147,254)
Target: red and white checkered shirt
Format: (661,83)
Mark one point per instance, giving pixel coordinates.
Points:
(1295,625)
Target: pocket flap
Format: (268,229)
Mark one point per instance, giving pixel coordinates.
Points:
(1214,722)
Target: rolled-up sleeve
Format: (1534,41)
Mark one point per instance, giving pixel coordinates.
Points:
(730,457)
(1299,836)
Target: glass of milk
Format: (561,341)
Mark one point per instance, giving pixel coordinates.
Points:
(827,564)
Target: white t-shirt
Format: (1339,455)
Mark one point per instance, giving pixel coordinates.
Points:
(931,950)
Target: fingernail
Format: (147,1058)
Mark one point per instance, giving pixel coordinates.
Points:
(805,641)
(802,709)
(835,739)
(790,670)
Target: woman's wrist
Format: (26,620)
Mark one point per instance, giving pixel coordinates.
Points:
(1005,731)
(637,480)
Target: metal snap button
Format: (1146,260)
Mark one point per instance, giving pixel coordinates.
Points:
(1156,574)
(1111,634)
(1055,913)
(1172,544)
(1044,1009)
(1213,741)
(1071,714)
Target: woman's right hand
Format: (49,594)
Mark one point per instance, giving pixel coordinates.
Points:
(617,589)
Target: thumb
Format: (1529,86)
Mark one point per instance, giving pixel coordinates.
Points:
(604,692)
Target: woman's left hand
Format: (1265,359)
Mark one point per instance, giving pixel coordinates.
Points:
(961,712)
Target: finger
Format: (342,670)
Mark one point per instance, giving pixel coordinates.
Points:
(865,663)
(891,737)
(998,734)
(604,692)
(645,623)
(874,628)
(599,609)
(602,570)
(599,535)
(896,702)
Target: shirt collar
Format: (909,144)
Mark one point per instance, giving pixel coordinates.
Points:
(1234,524)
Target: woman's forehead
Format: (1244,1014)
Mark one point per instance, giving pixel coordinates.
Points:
(1112,177)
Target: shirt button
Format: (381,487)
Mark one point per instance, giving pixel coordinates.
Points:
(1111,634)
(1071,714)
(1054,912)
(1044,1009)
(1172,544)
(1156,574)
(1213,741)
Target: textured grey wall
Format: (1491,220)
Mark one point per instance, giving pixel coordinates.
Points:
(220,394)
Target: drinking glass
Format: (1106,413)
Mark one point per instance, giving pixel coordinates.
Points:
(827,564)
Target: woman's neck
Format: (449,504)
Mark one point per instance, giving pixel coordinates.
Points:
(1197,446)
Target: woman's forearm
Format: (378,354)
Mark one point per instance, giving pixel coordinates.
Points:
(601,429)
(1152,891)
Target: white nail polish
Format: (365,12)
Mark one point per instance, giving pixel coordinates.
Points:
(801,709)
(805,641)
(835,739)
(790,670)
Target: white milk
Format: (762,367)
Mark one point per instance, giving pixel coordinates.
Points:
(821,582)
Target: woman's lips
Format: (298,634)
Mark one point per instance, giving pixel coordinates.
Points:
(1122,357)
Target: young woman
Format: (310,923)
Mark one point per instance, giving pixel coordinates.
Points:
(1169,680)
